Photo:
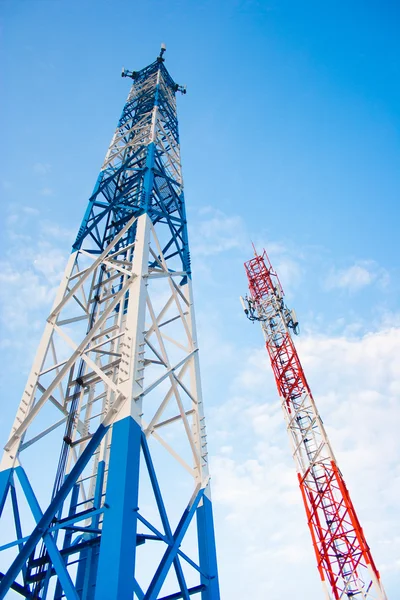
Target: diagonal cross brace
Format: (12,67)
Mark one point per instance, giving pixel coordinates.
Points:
(163,514)
(172,550)
(48,539)
(45,521)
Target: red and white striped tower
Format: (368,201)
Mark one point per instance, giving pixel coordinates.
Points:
(344,560)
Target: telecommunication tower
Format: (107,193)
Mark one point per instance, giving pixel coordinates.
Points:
(104,477)
(344,560)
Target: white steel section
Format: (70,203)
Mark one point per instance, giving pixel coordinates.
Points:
(131,375)
(28,397)
(199,425)
(111,361)
(130,136)
(309,441)
(71,297)
(154,116)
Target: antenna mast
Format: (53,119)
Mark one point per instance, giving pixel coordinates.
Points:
(344,560)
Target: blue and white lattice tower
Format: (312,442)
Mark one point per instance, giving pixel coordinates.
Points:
(104,484)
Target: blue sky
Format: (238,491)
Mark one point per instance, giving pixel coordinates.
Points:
(290,138)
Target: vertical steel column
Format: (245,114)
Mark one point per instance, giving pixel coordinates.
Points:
(118,540)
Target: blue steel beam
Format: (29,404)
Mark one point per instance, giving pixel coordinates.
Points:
(44,521)
(173,547)
(5,481)
(118,540)
(207,551)
(163,515)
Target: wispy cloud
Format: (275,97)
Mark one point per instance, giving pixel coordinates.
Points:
(46,191)
(42,171)
(357,276)
(216,232)
(29,210)
(56,231)
(41,168)
(7,185)
(30,272)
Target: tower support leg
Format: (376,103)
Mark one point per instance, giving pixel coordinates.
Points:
(115,579)
(207,550)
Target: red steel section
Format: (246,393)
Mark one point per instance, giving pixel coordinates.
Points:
(344,559)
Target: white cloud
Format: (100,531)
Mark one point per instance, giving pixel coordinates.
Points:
(7,185)
(357,276)
(286,261)
(11,219)
(216,232)
(40,168)
(29,210)
(30,272)
(46,191)
(289,270)
(57,232)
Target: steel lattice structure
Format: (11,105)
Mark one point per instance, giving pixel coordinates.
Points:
(344,560)
(116,383)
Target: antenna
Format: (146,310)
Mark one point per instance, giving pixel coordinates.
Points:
(163,49)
